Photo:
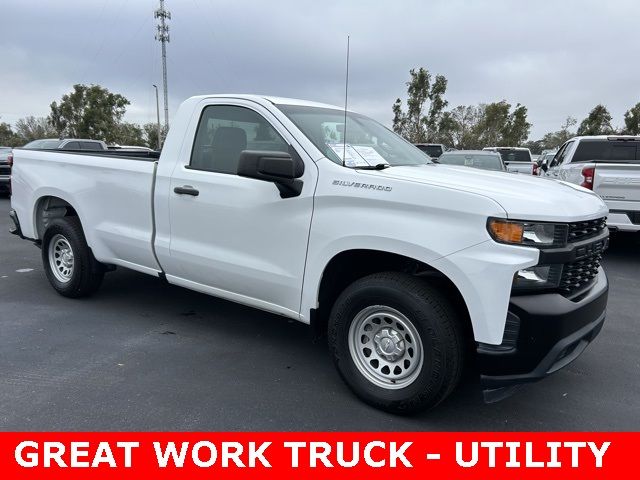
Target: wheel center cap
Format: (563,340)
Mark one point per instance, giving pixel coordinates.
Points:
(389,344)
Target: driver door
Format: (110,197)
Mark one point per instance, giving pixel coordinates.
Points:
(232,236)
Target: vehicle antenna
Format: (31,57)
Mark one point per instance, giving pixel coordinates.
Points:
(346,96)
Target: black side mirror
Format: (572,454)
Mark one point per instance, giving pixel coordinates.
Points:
(280,168)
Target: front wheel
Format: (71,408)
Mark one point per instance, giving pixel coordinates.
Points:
(397,342)
(68,261)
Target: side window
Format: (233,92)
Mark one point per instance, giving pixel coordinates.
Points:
(562,154)
(72,146)
(225,131)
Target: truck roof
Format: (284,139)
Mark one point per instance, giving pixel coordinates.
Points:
(607,137)
(271,99)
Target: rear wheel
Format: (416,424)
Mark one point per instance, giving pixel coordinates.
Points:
(68,261)
(397,342)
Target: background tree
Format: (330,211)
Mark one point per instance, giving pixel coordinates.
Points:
(8,137)
(150,132)
(556,139)
(459,127)
(516,129)
(130,134)
(632,120)
(414,124)
(32,128)
(598,122)
(89,111)
(467,120)
(493,120)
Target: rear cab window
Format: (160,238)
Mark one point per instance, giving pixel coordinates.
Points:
(605,150)
(431,150)
(94,146)
(509,155)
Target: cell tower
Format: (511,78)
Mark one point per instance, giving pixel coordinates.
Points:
(162,35)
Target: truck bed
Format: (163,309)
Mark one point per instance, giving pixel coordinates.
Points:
(112,192)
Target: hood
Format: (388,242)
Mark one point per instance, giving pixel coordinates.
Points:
(523,197)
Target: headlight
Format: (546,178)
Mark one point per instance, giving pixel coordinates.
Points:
(532,234)
(539,276)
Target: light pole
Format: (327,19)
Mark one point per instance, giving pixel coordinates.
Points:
(158,118)
(162,35)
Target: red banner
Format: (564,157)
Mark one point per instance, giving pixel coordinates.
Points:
(312,456)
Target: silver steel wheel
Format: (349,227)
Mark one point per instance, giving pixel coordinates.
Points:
(61,258)
(386,347)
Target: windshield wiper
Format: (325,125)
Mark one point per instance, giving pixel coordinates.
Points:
(379,166)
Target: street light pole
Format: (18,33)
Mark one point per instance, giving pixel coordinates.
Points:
(158,118)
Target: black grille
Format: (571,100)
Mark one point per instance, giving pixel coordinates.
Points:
(582,230)
(5,170)
(579,274)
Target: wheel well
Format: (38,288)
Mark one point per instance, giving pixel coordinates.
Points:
(48,208)
(349,266)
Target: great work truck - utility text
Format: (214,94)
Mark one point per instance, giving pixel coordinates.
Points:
(373,454)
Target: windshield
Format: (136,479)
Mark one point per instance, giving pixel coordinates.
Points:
(485,162)
(43,144)
(367,142)
(515,155)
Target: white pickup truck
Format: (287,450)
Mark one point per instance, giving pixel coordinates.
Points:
(517,159)
(608,165)
(411,268)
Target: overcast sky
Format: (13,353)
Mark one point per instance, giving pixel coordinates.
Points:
(557,57)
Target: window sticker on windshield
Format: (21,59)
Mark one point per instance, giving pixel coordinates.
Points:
(351,156)
(370,154)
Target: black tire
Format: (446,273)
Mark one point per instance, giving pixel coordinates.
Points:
(87,273)
(435,322)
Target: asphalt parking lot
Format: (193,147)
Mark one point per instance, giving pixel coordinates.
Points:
(143,355)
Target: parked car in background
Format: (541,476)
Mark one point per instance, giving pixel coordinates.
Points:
(474,158)
(517,159)
(544,160)
(5,170)
(66,144)
(405,264)
(608,165)
(434,150)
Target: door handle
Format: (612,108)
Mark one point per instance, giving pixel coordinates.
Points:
(186,190)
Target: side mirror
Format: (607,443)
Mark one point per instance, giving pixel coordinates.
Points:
(280,168)
(544,166)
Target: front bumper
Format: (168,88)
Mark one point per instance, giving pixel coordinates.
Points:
(544,333)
